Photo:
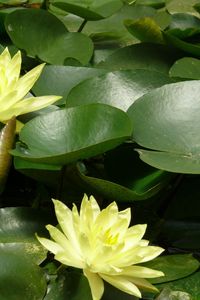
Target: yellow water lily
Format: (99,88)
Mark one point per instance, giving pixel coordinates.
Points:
(103,245)
(14,89)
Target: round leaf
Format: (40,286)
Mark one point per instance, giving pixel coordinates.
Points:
(20,278)
(67,135)
(189,285)
(173,266)
(119,89)
(167,120)
(182,6)
(18,228)
(141,56)
(186,67)
(53,44)
(59,80)
(87,9)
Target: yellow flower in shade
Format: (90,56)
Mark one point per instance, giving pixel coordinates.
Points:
(14,88)
(103,245)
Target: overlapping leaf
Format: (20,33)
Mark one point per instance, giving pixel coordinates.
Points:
(119,89)
(167,121)
(53,44)
(71,134)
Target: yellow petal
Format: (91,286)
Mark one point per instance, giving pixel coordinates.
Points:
(65,220)
(123,284)
(49,245)
(33,103)
(26,82)
(143,284)
(141,272)
(13,70)
(68,261)
(96,284)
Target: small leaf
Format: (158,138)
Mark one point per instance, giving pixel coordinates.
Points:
(186,67)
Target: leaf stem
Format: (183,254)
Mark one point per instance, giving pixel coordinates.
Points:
(82,25)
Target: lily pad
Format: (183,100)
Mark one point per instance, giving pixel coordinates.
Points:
(119,89)
(173,266)
(166,121)
(20,278)
(59,80)
(89,10)
(141,56)
(57,137)
(186,67)
(53,44)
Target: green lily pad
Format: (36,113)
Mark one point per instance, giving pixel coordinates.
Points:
(89,10)
(114,27)
(184,25)
(18,228)
(59,80)
(119,89)
(182,6)
(141,56)
(170,126)
(173,266)
(20,278)
(53,44)
(186,67)
(189,285)
(57,137)
(112,190)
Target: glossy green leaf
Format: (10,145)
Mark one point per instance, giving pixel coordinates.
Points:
(53,44)
(68,286)
(181,6)
(20,278)
(89,10)
(174,267)
(189,285)
(18,228)
(119,89)
(114,25)
(145,29)
(184,25)
(170,125)
(57,137)
(132,173)
(111,190)
(141,56)
(59,80)
(186,67)
(187,47)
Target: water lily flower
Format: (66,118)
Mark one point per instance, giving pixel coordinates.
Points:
(102,244)
(14,89)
